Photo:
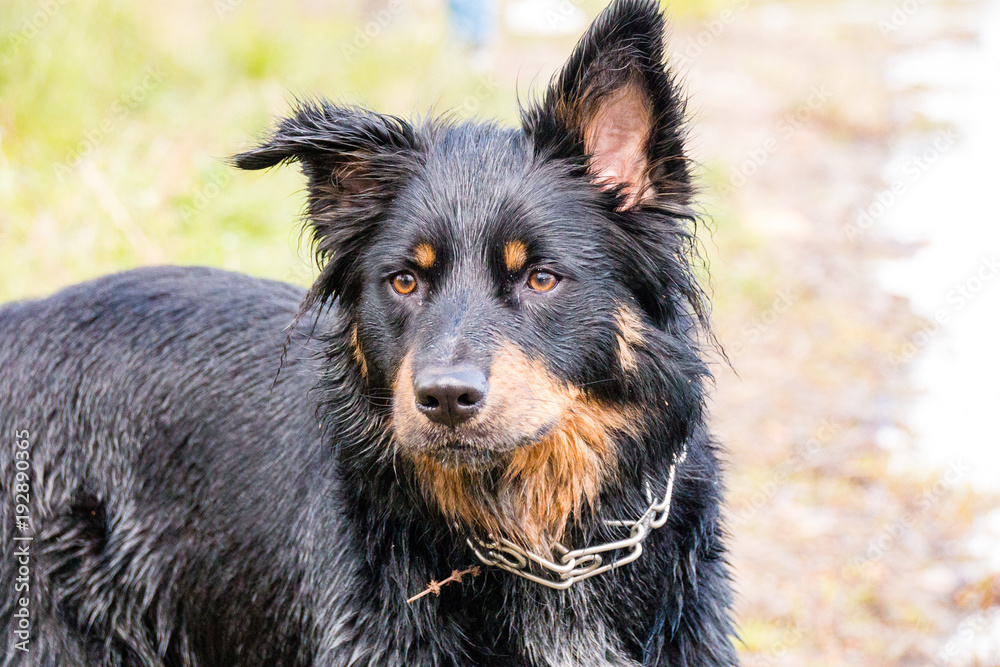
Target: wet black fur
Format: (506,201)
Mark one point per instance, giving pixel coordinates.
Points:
(193,506)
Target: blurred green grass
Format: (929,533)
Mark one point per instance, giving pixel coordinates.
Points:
(115,116)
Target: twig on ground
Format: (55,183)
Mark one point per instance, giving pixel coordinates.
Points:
(435,586)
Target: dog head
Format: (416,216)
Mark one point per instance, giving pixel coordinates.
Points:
(522,299)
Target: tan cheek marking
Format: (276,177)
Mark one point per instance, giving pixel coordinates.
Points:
(359,355)
(545,482)
(630,336)
(515,254)
(406,420)
(424,255)
(522,392)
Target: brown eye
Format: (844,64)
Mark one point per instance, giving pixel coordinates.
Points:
(404,283)
(542,281)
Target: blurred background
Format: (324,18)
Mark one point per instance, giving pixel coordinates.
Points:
(848,154)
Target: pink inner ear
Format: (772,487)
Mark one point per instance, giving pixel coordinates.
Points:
(616,137)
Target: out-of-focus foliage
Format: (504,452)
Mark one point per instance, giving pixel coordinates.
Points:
(115,117)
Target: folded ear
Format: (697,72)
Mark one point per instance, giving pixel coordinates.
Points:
(332,143)
(615,104)
(355,160)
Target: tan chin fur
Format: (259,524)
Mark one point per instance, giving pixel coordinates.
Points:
(545,482)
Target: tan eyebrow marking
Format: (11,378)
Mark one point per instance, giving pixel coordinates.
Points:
(515,254)
(424,255)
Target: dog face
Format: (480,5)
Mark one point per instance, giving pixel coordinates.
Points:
(484,299)
(522,297)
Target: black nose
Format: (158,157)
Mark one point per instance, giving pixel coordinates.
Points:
(450,396)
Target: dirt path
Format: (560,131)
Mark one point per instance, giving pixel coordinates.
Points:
(839,560)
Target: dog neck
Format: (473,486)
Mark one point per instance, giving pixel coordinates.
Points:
(404,543)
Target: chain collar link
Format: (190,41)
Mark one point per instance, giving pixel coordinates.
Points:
(579,564)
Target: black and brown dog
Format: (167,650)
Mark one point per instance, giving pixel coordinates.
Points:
(500,357)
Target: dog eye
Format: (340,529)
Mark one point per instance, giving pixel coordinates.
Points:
(542,281)
(404,283)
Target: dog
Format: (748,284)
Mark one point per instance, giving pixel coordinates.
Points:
(479,438)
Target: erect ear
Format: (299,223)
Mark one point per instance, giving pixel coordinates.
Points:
(355,161)
(615,103)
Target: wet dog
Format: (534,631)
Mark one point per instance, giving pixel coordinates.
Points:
(497,372)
